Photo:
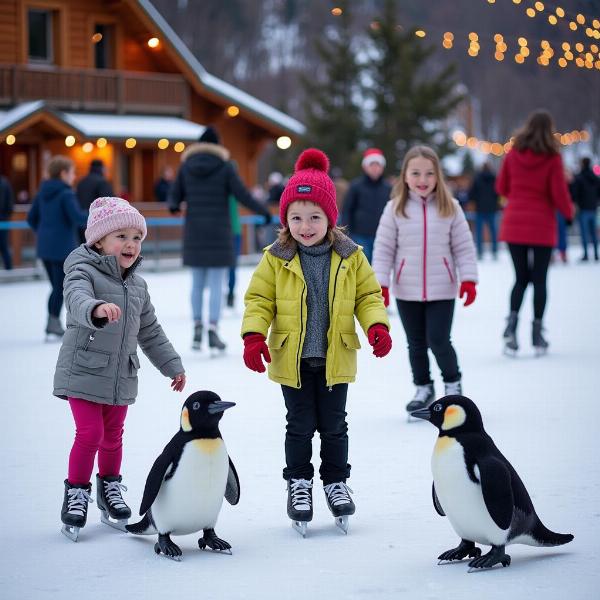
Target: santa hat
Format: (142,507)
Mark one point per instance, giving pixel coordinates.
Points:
(310,183)
(111,214)
(371,155)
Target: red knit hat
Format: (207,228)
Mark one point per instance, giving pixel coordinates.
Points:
(310,183)
(373,155)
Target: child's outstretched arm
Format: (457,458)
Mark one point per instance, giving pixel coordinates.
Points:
(81,302)
(463,253)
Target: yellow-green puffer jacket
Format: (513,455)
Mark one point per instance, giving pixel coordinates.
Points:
(276,298)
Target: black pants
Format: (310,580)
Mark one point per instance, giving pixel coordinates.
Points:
(5,249)
(56,275)
(531,266)
(427,325)
(312,408)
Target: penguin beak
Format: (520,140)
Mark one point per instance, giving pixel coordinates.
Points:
(217,407)
(422,413)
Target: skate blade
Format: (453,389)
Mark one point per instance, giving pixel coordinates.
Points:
(71,532)
(301,527)
(116,524)
(510,352)
(540,352)
(216,352)
(52,338)
(196,346)
(342,523)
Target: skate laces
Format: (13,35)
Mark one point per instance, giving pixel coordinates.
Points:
(300,489)
(422,393)
(77,501)
(112,491)
(337,493)
(453,388)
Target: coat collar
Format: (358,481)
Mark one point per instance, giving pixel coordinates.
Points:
(205,148)
(342,245)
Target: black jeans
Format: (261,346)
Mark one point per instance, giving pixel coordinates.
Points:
(531,266)
(428,325)
(314,407)
(5,249)
(56,275)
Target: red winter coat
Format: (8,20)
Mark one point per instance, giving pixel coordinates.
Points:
(535,187)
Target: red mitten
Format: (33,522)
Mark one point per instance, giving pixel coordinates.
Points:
(385,292)
(468,288)
(255,350)
(379,338)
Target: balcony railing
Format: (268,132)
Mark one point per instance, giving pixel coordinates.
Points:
(95,90)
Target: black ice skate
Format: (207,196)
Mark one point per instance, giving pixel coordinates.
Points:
(538,342)
(114,511)
(299,504)
(340,504)
(510,335)
(424,394)
(230,300)
(54,329)
(453,388)
(197,341)
(215,343)
(74,509)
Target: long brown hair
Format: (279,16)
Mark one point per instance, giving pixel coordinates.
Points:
(443,196)
(537,134)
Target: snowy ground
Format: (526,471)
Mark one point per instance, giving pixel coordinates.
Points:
(542,413)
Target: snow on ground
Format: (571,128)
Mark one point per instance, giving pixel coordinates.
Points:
(542,413)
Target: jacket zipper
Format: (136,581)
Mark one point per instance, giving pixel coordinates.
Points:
(122,340)
(400,270)
(333,300)
(91,338)
(448,269)
(424,250)
(298,382)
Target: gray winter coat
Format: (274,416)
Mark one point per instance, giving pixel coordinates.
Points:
(98,360)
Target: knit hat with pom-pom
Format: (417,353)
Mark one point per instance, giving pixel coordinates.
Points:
(310,183)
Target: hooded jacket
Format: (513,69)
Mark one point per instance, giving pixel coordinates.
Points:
(55,217)
(205,181)
(363,205)
(535,188)
(483,192)
(93,185)
(586,190)
(98,360)
(276,299)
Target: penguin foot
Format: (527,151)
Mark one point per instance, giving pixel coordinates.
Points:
(169,548)
(210,540)
(465,549)
(493,557)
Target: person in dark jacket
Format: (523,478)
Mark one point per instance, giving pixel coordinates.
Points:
(55,216)
(483,194)
(93,185)
(7,202)
(365,201)
(163,184)
(586,194)
(204,182)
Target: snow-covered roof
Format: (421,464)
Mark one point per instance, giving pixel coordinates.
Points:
(10,118)
(218,86)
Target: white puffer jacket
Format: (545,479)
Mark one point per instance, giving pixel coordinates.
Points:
(419,255)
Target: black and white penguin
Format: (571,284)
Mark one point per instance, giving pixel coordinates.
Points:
(478,489)
(186,485)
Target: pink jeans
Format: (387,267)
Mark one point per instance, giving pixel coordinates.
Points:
(98,430)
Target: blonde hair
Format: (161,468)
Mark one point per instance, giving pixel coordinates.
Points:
(443,196)
(58,164)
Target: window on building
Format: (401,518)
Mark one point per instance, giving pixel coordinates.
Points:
(104,53)
(40,35)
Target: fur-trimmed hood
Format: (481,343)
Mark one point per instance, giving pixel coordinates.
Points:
(342,245)
(205,148)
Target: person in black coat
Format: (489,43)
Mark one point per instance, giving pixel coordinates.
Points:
(365,201)
(204,182)
(93,185)
(483,194)
(586,194)
(7,202)
(163,184)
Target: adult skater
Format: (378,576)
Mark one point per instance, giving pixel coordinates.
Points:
(422,239)
(532,179)
(109,313)
(307,289)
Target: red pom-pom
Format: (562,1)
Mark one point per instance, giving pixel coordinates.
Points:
(312,159)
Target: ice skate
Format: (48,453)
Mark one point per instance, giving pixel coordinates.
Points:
(215,343)
(74,509)
(540,345)
(230,300)
(510,335)
(54,329)
(197,341)
(299,504)
(340,504)
(424,394)
(452,388)
(114,511)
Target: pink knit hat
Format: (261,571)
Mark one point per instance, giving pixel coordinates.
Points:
(310,183)
(110,214)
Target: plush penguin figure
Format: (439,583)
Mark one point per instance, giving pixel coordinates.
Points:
(185,487)
(478,489)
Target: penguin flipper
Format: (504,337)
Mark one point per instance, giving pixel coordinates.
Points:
(155,479)
(232,489)
(436,502)
(497,490)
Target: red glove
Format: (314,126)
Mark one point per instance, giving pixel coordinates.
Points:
(468,288)
(379,338)
(254,351)
(385,292)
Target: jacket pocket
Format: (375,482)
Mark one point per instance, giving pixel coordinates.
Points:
(277,339)
(447,265)
(282,355)
(134,364)
(345,365)
(91,359)
(400,270)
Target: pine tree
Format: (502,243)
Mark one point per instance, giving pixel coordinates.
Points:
(411,101)
(332,114)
